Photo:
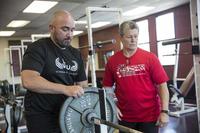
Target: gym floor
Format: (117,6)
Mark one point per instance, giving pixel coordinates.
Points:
(187,123)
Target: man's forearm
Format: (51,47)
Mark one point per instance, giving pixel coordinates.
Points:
(164,96)
(41,85)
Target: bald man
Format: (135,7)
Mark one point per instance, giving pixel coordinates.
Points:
(52,70)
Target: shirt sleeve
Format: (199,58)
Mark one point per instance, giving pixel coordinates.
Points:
(157,71)
(34,58)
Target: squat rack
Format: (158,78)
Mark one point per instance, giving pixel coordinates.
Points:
(89,11)
(195,24)
(195,27)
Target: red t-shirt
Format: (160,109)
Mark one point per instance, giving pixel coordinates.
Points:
(135,80)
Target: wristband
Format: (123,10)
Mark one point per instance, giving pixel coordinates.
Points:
(165,111)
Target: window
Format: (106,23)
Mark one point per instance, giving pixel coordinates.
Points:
(143,40)
(165,30)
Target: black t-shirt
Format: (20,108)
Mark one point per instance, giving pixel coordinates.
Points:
(57,65)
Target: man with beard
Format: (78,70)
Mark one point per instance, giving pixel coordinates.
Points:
(52,70)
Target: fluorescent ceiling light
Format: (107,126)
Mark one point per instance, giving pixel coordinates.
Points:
(99,24)
(40,6)
(77,32)
(35,37)
(6,33)
(80,22)
(18,23)
(141,9)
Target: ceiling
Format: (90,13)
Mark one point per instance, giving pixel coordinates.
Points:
(12,9)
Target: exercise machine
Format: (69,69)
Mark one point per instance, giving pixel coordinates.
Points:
(12,106)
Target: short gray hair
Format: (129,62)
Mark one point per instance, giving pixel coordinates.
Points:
(127,25)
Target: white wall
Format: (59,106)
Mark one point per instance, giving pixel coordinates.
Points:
(3,59)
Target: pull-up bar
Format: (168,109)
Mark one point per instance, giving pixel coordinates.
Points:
(99,44)
(179,40)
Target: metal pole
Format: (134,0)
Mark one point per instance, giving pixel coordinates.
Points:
(175,75)
(195,23)
(176,41)
(90,40)
(116,126)
(12,72)
(103,110)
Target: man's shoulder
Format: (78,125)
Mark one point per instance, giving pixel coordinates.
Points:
(40,42)
(116,56)
(43,42)
(40,46)
(145,52)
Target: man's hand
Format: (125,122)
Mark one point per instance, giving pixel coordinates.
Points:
(74,91)
(119,114)
(163,120)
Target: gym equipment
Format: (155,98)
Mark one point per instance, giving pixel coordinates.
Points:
(81,115)
(10,64)
(195,24)
(13,113)
(4,88)
(178,94)
(187,84)
(12,106)
(98,44)
(89,11)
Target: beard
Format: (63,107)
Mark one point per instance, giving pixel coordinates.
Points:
(62,43)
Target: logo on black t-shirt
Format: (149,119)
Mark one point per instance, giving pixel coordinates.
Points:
(62,65)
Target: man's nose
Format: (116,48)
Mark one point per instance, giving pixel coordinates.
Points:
(70,33)
(132,39)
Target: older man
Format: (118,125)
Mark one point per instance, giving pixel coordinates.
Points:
(140,83)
